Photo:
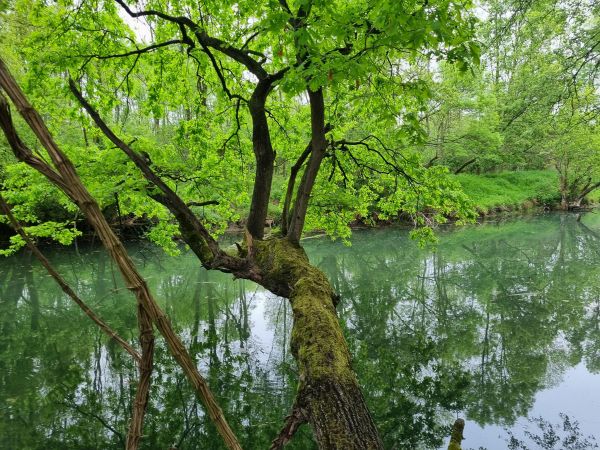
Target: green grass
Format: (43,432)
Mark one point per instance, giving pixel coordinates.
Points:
(511,190)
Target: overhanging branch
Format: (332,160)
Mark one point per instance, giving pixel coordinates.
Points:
(206,248)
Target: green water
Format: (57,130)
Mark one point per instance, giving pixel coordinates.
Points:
(500,323)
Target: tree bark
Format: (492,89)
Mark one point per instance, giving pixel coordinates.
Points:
(265,161)
(319,145)
(329,394)
(457,435)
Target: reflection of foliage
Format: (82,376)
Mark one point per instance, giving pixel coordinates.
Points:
(565,436)
(479,326)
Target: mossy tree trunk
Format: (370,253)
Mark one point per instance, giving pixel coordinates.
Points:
(329,396)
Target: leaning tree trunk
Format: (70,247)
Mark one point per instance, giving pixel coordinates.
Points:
(329,396)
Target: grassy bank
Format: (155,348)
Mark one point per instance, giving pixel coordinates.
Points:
(509,191)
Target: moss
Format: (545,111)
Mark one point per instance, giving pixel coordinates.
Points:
(457,435)
(317,339)
(328,386)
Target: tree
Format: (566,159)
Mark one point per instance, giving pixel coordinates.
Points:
(309,63)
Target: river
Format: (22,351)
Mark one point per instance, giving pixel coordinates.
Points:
(500,324)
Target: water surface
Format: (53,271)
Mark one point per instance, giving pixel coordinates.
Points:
(498,325)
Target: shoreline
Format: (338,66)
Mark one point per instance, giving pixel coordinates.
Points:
(495,214)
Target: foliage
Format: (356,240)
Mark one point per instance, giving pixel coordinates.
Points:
(195,128)
(511,190)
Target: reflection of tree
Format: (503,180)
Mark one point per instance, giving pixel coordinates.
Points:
(485,315)
(564,436)
(481,325)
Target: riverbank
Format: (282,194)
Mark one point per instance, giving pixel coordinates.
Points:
(493,194)
(511,191)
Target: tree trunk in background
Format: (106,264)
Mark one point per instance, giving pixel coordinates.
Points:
(564,193)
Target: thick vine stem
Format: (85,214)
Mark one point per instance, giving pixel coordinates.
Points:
(140,402)
(68,176)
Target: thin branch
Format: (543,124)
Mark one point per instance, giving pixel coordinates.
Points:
(206,203)
(138,51)
(290,187)
(220,74)
(99,418)
(392,164)
(464,166)
(239,55)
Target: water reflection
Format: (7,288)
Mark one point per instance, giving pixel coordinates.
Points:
(480,327)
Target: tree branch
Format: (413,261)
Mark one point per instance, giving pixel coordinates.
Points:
(22,152)
(264,155)
(292,181)
(206,248)
(292,422)
(206,203)
(319,145)
(464,166)
(138,51)
(240,55)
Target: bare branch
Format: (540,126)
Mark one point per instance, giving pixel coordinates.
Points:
(292,422)
(138,51)
(220,74)
(464,166)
